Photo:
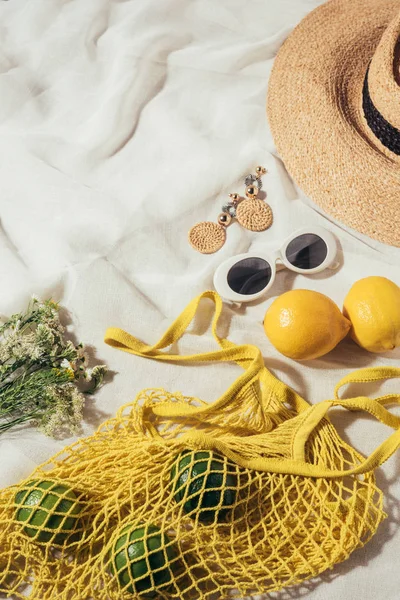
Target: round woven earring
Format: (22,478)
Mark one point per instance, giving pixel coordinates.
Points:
(208,237)
(253,213)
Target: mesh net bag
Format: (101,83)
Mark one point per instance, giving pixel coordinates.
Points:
(177,498)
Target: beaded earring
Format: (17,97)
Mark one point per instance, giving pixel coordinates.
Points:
(251,212)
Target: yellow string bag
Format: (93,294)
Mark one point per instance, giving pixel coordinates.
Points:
(177,498)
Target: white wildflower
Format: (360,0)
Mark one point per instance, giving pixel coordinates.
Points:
(97,376)
(99,371)
(70,350)
(53,423)
(44,336)
(39,370)
(35,352)
(78,402)
(88,375)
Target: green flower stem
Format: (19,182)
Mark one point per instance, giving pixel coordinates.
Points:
(18,421)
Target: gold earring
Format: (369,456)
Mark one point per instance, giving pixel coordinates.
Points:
(252,213)
(208,237)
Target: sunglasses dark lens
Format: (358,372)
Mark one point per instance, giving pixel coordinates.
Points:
(249,276)
(307,251)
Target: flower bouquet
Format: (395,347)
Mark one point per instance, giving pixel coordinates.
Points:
(40,372)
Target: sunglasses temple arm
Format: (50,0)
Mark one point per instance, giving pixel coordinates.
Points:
(335,265)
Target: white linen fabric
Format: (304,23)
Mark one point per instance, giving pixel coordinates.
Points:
(122,124)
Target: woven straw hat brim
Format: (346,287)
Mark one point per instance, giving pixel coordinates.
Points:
(317,120)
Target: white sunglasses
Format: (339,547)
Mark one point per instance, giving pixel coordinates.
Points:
(246,277)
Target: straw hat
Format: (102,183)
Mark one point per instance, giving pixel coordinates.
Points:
(334,111)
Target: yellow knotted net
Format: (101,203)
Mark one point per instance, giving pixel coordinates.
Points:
(177,498)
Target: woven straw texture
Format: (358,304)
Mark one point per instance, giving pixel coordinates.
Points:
(207,237)
(175,498)
(254,214)
(316,115)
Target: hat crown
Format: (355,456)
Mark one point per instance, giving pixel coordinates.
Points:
(384,74)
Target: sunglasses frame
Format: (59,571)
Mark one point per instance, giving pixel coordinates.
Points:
(273,259)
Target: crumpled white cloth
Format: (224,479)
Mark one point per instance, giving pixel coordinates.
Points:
(122,124)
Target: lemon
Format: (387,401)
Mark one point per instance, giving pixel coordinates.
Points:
(303,324)
(49,510)
(373,307)
(143,559)
(206,483)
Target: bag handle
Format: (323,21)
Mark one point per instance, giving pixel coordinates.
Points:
(374,406)
(247,356)
(250,358)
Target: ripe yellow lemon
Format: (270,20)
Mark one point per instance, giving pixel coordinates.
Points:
(373,307)
(303,324)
